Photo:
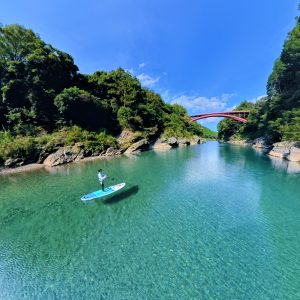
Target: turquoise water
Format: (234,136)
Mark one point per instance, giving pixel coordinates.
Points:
(211,221)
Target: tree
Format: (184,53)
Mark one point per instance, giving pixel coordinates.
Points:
(78,107)
(17,42)
(32,73)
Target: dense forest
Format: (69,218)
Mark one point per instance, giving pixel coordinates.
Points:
(275,117)
(46,102)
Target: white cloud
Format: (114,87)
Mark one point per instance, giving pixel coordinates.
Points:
(130,71)
(142,65)
(200,104)
(165,94)
(254,100)
(147,80)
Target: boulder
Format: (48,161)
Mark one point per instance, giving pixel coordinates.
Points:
(13,162)
(160,145)
(239,142)
(281,149)
(111,151)
(183,142)
(127,138)
(62,156)
(260,143)
(196,140)
(138,146)
(294,154)
(172,141)
(162,140)
(43,155)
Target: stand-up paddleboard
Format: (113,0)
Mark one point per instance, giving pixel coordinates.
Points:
(100,193)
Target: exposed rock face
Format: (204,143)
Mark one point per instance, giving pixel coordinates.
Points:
(165,144)
(183,142)
(138,146)
(294,154)
(172,141)
(281,149)
(239,142)
(62,156)
(127,138)
(42,156)
(13,162)
(112,151)
(260,143)
(196,140)
(287,150)
(161,144)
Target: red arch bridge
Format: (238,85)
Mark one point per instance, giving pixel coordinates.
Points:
(238,115)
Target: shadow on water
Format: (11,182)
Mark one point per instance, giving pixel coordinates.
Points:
(122,195)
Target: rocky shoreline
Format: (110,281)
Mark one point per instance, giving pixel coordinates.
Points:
(287,150)
(127,143)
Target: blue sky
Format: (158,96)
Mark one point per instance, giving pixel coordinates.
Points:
(207,55)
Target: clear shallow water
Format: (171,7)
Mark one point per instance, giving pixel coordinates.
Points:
(211,221)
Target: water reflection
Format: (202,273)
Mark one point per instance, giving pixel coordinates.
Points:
(241,156)
(291,167)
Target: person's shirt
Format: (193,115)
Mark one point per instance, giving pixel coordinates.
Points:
(101,176)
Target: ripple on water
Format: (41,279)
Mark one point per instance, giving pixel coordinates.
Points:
(211,221)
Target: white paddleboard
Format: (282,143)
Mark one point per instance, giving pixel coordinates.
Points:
(107,191)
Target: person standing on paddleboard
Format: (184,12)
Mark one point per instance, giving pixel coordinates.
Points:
(102,176)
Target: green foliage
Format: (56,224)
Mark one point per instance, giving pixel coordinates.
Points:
(16,43)
(177,123)
(16,147)
(69,136)
(79,107)
(207,133)
(25,147)
(125,116)
(228,127)
(291,129)
(32,73)
(42,93)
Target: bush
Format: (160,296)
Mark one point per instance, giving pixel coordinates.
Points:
(69,136)
(125,117)
(16,147)
(27,148)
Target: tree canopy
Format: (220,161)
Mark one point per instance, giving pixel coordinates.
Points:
(43,91)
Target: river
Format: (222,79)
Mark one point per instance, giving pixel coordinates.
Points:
(211,221)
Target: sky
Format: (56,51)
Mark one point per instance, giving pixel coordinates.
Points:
(207,55)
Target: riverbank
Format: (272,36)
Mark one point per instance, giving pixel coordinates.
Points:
(127,144)
(288,150)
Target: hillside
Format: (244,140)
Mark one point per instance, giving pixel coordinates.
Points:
(46,103)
